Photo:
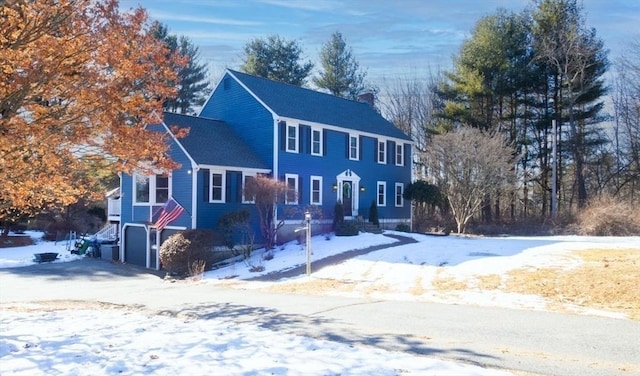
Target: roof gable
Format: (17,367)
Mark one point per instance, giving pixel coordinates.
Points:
(308,105)
(212,142)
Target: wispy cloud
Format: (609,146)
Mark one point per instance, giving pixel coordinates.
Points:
(164,16)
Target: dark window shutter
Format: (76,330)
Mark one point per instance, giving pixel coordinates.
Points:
(347,145)
(405,153)
(283,135)
(206,179)
(304,139)
(227,187)
(392,152)
(300,191)
(324,142)
(360,143)
(238,186)
(375,150)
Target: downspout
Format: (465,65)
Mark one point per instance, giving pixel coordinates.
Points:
(194,195)
(276,128)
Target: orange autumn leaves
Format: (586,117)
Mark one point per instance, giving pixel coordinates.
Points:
(79,79)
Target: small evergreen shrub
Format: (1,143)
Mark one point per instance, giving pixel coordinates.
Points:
(184,250)
(347,229)
(403,227)
(338,215)
(373,213)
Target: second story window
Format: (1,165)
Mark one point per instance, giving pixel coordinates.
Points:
(151,189)
(292,138)
(399,154)
(382,152)
(316,141)
(354,147)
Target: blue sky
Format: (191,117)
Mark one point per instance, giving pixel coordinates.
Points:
(388,38)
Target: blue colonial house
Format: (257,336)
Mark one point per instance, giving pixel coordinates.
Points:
(327,149)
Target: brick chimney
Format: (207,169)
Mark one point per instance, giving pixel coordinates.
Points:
(367,97)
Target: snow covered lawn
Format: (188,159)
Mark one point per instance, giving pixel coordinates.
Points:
(36,340)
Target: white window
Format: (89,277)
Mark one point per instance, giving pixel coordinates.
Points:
(292,138)
(247,183)
(399,155)
(316,141)
(217,186)
(316,190)
(382,152)
(151,189)
(291,196)
(399,192)
(381,193)
(354,148)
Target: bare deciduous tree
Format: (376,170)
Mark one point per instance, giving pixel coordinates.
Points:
(469,165)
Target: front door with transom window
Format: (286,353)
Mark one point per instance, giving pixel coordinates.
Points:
(348,184)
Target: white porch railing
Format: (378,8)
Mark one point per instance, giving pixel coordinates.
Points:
(108,232)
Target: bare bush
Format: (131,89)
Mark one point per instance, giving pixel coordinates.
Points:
(179,253)
(607,216)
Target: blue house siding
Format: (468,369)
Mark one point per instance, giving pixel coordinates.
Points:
(251,121)
(234,134)
(334,161)
(209,213)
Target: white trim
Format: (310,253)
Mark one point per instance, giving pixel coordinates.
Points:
(194,197)
(357,138)
(153,200)
(248,170)
(287,138)
(244,178)
(342,129)
(296,188)
(401,154)
(384,193)
(319,130)
(248,91)
(319,180)
(380,150)
(395,195)
(348,175)
(223,186)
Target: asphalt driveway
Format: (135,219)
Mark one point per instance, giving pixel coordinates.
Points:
(526,341)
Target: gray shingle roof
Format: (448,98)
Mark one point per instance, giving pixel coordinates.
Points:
(304,104)
(212,142)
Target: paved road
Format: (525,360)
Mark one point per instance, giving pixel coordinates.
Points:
(524,341)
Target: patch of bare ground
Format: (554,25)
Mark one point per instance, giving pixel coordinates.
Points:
(312,287)
(607,279)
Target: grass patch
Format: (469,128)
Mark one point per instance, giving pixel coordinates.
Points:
(607,279)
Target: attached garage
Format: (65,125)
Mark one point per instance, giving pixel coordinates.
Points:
(135,245)
(141,244)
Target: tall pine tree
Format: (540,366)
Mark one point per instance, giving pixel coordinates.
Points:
(192,82)
(341,73)
(276,59)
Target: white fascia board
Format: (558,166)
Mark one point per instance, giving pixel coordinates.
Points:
(341,129)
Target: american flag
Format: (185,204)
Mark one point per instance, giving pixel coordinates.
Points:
(169,213)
